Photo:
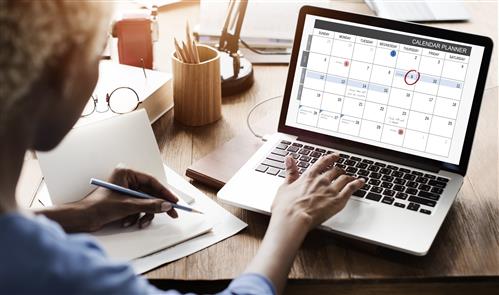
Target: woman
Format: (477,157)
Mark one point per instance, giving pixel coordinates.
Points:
(49,67)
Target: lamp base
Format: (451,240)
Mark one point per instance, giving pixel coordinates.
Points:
(231,84)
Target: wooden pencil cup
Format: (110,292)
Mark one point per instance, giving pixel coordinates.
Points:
(197,88)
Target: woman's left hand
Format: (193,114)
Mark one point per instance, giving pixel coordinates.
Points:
(103,206)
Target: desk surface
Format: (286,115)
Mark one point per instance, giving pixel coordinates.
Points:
(467,246)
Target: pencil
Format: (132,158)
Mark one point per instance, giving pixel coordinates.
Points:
(180,54)
(136,194)
(187,53)
(189,42)
(196,53)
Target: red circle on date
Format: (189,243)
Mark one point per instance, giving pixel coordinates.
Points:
(410,75)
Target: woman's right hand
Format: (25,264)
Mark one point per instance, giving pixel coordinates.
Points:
(302,203)
(318,194)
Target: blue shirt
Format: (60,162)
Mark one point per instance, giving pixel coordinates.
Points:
(38,257)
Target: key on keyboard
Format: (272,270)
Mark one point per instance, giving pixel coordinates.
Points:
(413,190)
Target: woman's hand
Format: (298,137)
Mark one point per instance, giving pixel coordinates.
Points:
(103,206)
(301,203)
(321,192)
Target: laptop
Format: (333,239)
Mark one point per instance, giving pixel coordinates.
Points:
(398,101)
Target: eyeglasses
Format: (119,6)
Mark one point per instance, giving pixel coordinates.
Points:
(121,100)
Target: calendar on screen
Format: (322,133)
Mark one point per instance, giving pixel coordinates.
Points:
(384,88)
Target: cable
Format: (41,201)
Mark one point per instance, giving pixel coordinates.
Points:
(262,52)
(251,111)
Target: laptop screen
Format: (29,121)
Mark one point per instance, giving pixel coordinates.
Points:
(395,90)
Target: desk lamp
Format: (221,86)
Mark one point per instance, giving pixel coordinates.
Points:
(236,71)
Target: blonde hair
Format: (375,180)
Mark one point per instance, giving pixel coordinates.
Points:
(34,34)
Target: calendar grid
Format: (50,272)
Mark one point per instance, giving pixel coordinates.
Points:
(418,92)
(368,88)
(412,100)
(460,99)
(382,91)
(436,97)
(385,118)
(391,83)
(325,75)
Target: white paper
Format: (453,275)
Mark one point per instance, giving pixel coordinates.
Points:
(264,19)
(224,225)
(94,151)
(132,242)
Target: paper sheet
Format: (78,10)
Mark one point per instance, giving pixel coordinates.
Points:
(94,150)
(164,232)
(261,20)
(224,225)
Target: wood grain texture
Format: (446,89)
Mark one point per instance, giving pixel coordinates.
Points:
(355,288)
(197,90)
(465,250)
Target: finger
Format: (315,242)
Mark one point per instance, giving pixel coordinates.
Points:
(130,220)
(347,191)
(340,182)
(172,213)
(322,164)
(152,186)
(332,174)
(149,205)
(292,172)
(352,187)
(145,221)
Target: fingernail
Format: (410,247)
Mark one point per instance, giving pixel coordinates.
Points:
(121,166)
(165,207)
(288,161)
(127,224)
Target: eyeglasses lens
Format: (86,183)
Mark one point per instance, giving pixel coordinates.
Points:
(123,100)
(89,108)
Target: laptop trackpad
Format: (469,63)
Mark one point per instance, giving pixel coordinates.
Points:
(357,214)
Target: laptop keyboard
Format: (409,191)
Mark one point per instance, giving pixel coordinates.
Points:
(388,184)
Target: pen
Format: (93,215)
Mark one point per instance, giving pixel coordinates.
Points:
(136,194)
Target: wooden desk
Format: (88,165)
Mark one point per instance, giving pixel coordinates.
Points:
(464,257)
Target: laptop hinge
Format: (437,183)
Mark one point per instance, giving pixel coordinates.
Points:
(429,165)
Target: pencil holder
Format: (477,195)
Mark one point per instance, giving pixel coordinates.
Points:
(197,93)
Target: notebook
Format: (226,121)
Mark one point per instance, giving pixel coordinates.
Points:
(94,150)
(216,168)
(164,232)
